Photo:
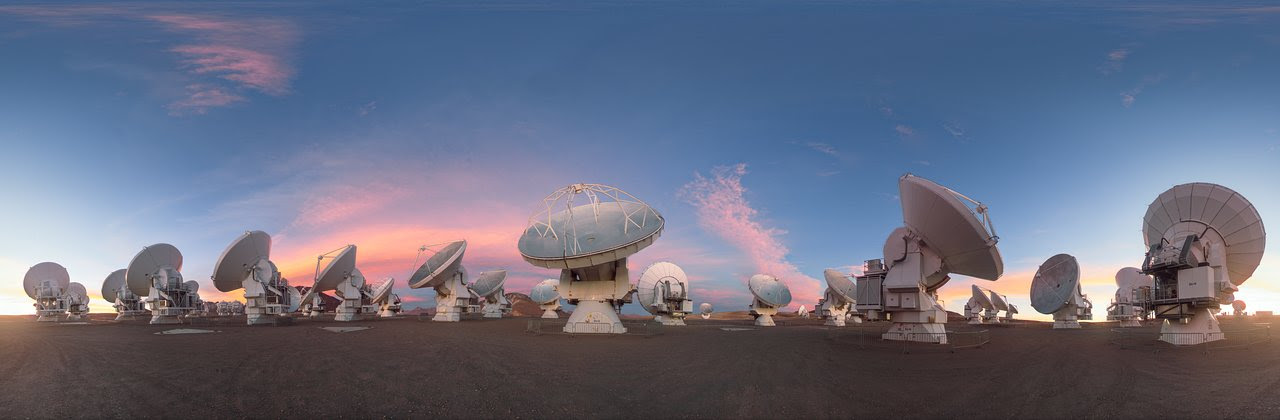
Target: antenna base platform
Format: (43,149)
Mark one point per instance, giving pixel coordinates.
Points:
(1200,328)
(594,317)
(669,320)
(918,332)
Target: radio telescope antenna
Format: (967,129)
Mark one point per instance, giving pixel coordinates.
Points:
(941,235)
(342,278)
(587,231)
(663,291)
(1130,283)
(246,264)
(547,295)
(704,310)
(156,272)
(770,295)
(1001,303)
(443,271)
(1237,308)
(980,309)
(802,312)
(77,302)
(1055,290)
(1203,241)
(489,288)
(837,303)
(383,300)
(47,283)
(127,304)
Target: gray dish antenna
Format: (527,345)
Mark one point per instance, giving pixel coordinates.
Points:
(545,292)
(610,226)
(1213,213)
(440,266)
(547,295)
(769,290)
(588,231)
(46,272)
(1055,282)
(241,258)
(1056,290)
(663,291)
(340,268)
(489,282)
(149,262)
(770,295)
(962,237)
(112,285)
(705,310)
(841,284)
(383,291)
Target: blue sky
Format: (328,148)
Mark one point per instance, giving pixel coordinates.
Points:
(394,126)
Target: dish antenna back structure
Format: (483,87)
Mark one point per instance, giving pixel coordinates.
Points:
(489,289)
(663,290)
(443,271)
(156,272)
(246,264)
(77,302)
(980,309)
(770,294)
(1001,303)
(1203,241)
(47,283)
(128,305)
(705,309)
(587,231)
(1125,306)
(941,235)
(1237,308)
(1055,290)
(547,295)
(837,303)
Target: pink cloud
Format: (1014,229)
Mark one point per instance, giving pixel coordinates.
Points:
(722,209)
(202,97)
(257,70)
(904,130)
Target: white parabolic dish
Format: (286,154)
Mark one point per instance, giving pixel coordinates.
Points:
(950,228)
(238,258)
(1130,278)
(545,292)
(112,284)
(1055,282)
(148,261)
(770,290)
(440,267)
(659,272)
(999,301)
(841,284)
(383,291)
(339,268)
(489,282)
(1214,213)
(77,289)
(45,271)
(981,297)
(589,234)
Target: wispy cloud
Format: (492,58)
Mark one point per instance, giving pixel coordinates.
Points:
(1128,97)
(904,130)
(722,208)
(1114,62)
(955,130)
(222,57)
(251,54)
(823,148)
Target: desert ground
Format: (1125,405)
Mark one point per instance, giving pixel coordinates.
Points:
(717,368)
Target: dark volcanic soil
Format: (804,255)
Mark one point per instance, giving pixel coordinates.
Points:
(476,368)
